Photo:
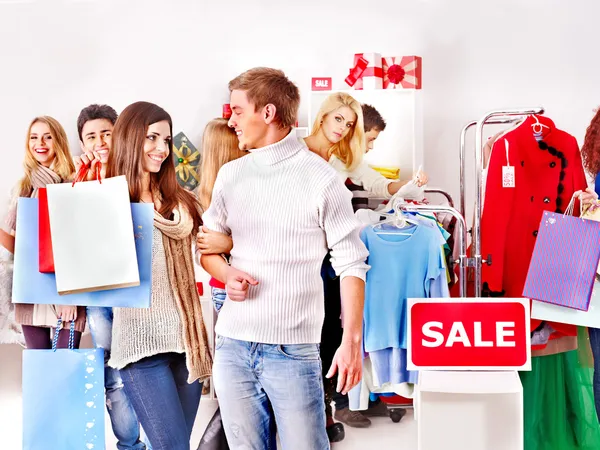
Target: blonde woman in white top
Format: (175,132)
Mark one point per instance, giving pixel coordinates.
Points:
(341,136)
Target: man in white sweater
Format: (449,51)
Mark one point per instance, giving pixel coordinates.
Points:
(284,208)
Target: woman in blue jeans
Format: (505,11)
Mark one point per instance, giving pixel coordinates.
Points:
(590,153)
(162,351)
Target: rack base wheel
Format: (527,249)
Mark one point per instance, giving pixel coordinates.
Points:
(396,414)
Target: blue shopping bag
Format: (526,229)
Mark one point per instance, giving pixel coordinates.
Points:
(31,286)
(564,261)
(63,398)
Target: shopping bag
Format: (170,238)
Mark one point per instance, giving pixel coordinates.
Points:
(31,286)
(92,238)
(563,314)
(214,435)
(63,397)
(592,213)
(564,261)
(46,257)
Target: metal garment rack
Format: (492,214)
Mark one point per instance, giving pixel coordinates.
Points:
(493,117)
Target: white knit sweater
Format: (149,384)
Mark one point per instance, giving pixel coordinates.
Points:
(284,208)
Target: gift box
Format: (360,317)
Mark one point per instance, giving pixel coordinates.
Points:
(226,111)
(402,72)
(372,76)
(186,158)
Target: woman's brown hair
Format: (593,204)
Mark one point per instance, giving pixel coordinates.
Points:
(126,155)
(220,145)
(590,151)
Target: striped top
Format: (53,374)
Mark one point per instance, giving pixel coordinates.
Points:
(284,207)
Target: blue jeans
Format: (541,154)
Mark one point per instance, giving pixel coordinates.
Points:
(218,297)
(595,344)
(252,379)
(164,401)
(122,416)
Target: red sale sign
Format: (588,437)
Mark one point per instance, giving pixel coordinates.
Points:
(321,84)
(469,334)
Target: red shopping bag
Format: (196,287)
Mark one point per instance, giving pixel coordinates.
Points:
(46,256)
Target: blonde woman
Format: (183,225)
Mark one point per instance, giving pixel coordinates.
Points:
(220,145)
(343,132)
(47,161)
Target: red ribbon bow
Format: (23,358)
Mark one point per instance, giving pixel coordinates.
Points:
(396,74)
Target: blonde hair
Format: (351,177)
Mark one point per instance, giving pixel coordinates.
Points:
(349,150)
(220,145)
(63,162)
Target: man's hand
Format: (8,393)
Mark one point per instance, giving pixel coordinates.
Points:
(237,283)
(347,362)
(211,242)
(90,160)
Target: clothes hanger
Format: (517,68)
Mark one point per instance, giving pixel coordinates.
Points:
(399,218)
(538,124)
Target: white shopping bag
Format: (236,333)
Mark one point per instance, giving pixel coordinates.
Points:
(92,236)
(571,316)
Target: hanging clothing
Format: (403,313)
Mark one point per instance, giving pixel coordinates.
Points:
(546,173)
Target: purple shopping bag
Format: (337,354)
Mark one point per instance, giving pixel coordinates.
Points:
(564,261)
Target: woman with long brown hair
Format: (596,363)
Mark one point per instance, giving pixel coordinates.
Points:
(162,351)
(220,145)
(47,161)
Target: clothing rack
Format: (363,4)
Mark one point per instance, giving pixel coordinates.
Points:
(492,117)
(462,236)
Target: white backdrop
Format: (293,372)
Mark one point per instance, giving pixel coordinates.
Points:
(60,55)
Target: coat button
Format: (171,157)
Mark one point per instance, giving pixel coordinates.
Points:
(546,200)
(522,163)
(532,198)
(535,233)
(553,164)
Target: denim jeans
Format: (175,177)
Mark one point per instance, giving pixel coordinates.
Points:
(218,297)
(162,398)
(122,416)
(595,344)
(251,378)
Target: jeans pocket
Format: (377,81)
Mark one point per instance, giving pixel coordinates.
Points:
(220,340)
(302,352)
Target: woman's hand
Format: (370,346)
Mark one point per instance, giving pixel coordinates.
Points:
(211,242)
(421,178)
(90,160)
(587,197)
(66,313)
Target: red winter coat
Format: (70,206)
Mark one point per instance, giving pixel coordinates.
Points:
(547,173)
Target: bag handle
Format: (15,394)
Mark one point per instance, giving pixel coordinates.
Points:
(71,335)
(83,171)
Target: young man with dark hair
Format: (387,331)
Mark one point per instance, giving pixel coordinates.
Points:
(95,125)
(374,124)
(284,208)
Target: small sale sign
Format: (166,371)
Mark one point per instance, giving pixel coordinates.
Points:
(321,84)
(469,334)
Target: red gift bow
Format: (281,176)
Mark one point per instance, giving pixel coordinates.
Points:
(396,74)
(357,71)
(83,170)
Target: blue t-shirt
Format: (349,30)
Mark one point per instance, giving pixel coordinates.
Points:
(401,267)
(597,184)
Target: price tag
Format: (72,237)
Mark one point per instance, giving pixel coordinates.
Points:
(508,171)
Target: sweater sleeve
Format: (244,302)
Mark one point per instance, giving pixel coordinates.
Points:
(371,180)
(215,217)
(348,253)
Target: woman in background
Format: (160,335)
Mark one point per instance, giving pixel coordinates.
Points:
(47,161)
(220,145)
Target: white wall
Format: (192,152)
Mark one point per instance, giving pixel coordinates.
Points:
(58,56)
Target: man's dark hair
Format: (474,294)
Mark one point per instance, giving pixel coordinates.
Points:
(372,118)
(94,112)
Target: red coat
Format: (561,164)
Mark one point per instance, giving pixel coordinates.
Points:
(546,175)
